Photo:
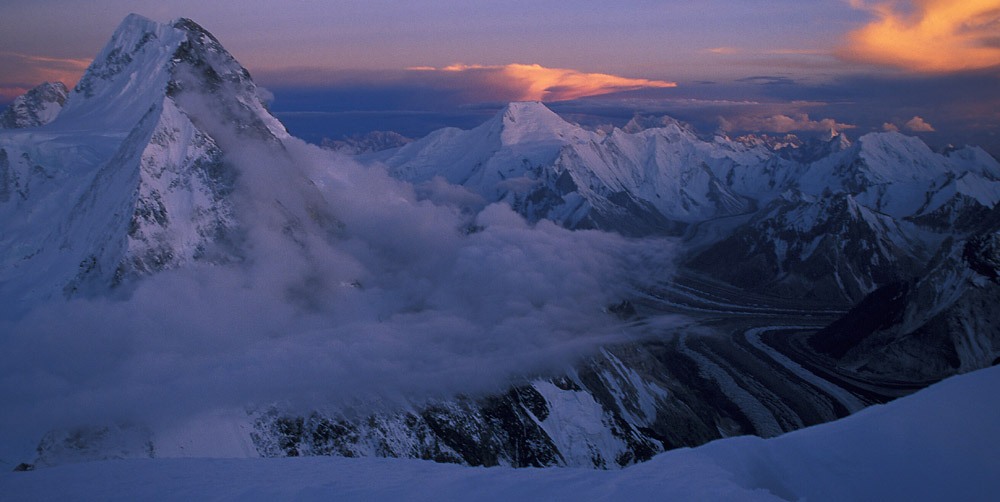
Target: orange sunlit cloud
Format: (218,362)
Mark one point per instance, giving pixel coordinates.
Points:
(538,83)
(781,123)
(928,35)
(20,72)
(918,124)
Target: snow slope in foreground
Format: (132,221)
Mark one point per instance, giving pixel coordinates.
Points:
(942,443)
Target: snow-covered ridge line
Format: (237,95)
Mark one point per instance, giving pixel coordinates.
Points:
(941,446)
(892,199)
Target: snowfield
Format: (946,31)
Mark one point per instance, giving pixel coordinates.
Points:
(942,443)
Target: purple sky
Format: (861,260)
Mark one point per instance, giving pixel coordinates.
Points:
(651,39)
(782,64)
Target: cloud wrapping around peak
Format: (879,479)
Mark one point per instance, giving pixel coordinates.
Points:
(928,35)
(356,288)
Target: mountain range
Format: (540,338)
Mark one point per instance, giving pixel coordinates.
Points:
(811,278)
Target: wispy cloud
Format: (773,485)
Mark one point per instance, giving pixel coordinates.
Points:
(928,35)
(729,51)
(20,72)
(532,82)
(10,92)
(767,80)
(723,50)
(799,52)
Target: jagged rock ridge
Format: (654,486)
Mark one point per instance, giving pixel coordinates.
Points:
(37,107)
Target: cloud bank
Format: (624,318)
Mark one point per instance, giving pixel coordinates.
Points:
(928,35)
(781,123)
(354,289)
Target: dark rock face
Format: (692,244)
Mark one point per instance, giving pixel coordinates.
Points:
(982,254)
(832,249)
(880,310)
(37,107)
(618,409)
(935,327)
(85,444)
(202,68)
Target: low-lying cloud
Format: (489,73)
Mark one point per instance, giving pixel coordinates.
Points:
(781,123)
(355,288)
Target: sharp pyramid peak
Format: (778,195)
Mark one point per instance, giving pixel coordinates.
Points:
(133,23)
(190,26)
(136,26)
(127,77)
(531,121)
(146,62)
(515,108)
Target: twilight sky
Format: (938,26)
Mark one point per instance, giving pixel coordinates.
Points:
(928,67)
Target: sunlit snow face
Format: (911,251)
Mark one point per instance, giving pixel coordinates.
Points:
(357,291)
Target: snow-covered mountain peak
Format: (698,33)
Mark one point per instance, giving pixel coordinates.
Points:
(775,143)
(640,123)
(533,122)
(127,77)
(528,110)
(146,62)
(974,158)
(37,107)
(892,156)
(838,140)
(148,187)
